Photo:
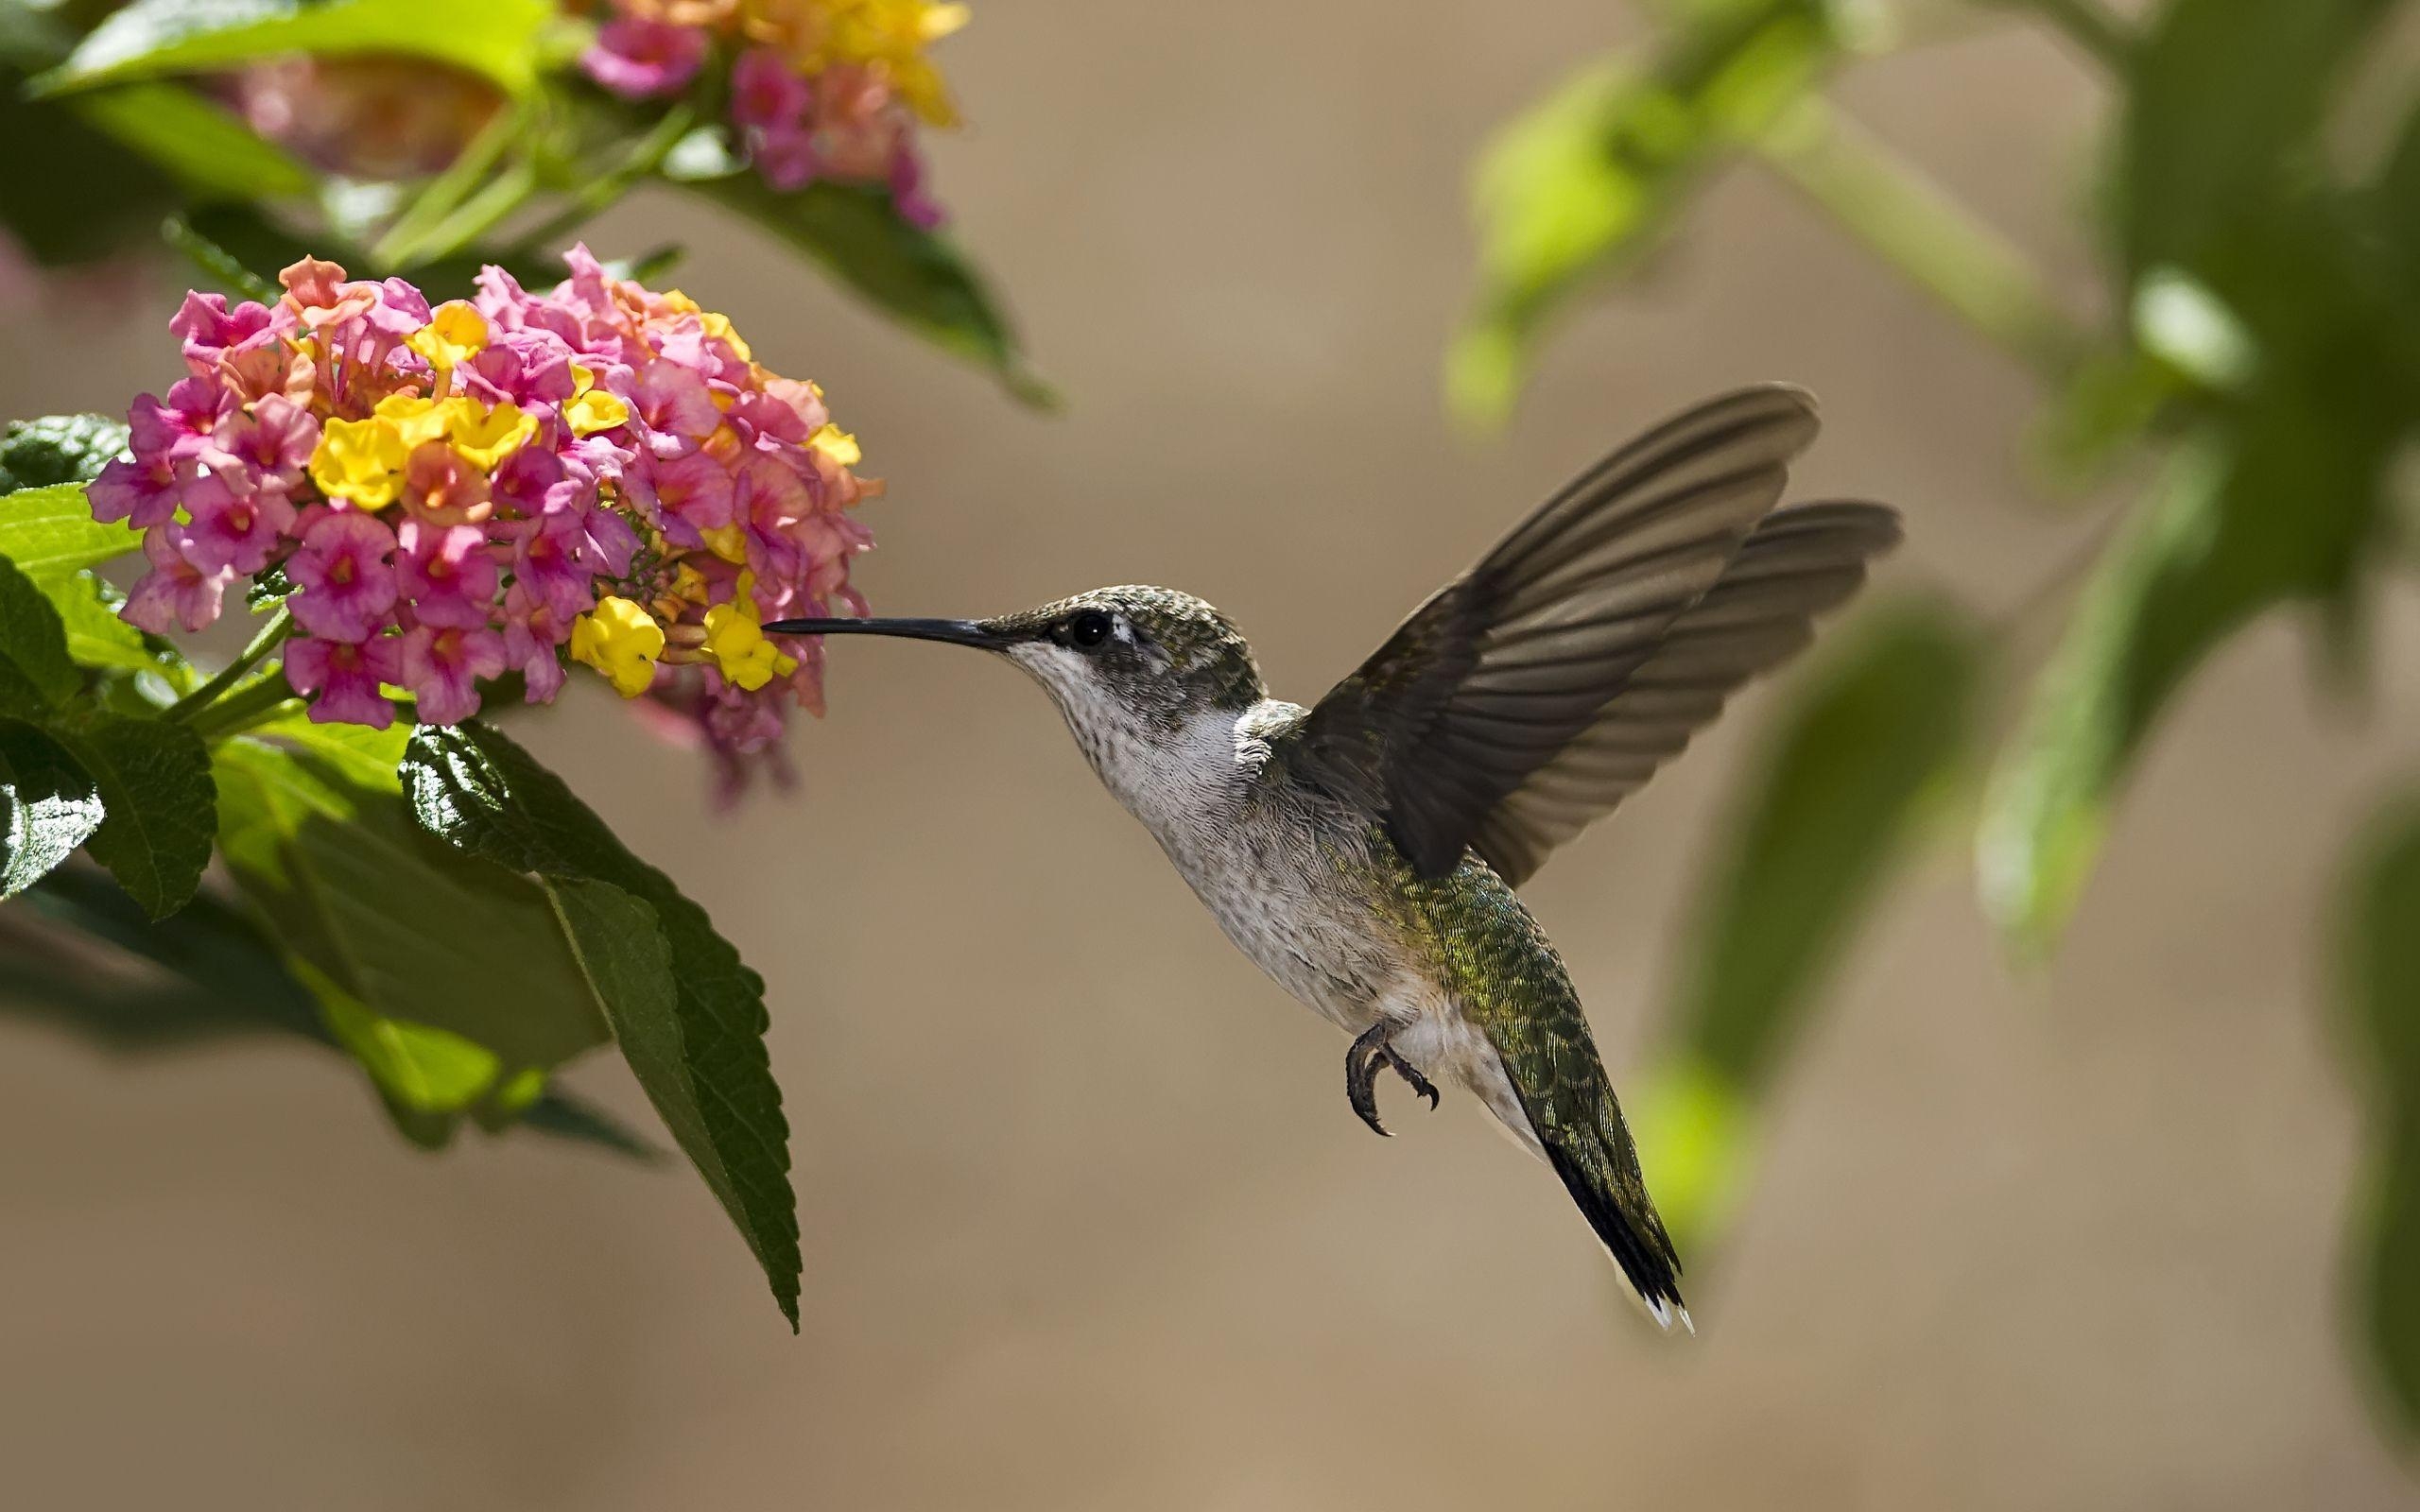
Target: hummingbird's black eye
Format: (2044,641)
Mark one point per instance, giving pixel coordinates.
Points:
(1089,629)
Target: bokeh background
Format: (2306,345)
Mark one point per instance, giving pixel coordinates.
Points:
(1087,1223)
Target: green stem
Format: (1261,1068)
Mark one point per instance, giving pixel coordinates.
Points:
(445,193)
(256,704)
(280,625)
(646,155)
(473,219)
(2089,25)
(1932,240)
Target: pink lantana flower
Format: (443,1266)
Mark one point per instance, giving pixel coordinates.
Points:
(594,472)
(341,567)
(344,676)
(174,592)
(443,665)
(140,490)
(446,572)
(227,529)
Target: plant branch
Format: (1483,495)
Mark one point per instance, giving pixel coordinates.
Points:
(1929,238)
(646,155)
(280,625)
(240,711)
(469,221)
(445,193)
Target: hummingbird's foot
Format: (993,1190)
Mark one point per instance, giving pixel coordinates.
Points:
(1371,1050)
(1421,1086)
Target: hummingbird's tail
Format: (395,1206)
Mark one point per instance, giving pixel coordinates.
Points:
(1598,1164)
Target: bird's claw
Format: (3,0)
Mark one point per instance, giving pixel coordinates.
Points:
(1369,1051)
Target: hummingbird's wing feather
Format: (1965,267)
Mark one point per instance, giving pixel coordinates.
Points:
(1798,563)
(1525,658)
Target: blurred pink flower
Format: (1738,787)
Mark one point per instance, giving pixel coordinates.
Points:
(638,58)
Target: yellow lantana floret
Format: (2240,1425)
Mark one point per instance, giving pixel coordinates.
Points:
(718,326)
(486,434)
(736,639)
(729,543)
(837,444)
(360,461)
(456,333)
(596,410)
(622,640)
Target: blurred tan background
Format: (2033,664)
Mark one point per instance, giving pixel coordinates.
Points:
(1087,1222)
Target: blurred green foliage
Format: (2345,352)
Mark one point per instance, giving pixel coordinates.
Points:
(2265,351)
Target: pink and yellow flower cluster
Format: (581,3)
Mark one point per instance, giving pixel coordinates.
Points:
(596,471)
(818,89)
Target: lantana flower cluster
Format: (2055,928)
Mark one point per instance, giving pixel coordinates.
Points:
(818,89)
(456,491)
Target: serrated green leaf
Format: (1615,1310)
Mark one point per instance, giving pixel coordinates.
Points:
(495,38)
(57,449)
(48,805)
(1883,722)
(713,1083)
(1584,184)
(154,777)
(35,671)
(397,933)
(51,530)
(207,150)
(917,277)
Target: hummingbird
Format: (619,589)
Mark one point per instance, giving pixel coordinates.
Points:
(1364,851)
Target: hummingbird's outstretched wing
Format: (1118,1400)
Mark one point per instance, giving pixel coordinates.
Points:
(1530,695)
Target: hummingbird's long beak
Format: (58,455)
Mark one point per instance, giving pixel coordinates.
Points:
(956,632)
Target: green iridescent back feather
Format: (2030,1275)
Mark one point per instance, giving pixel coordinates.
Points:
(1487,950)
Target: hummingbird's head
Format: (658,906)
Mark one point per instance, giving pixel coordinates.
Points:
(1128,667)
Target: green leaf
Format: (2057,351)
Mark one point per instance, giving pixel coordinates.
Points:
(2379,1005)
(2225,105)
(214,975)
(915,276)
(1584,184)
(154,777)
(51,530)
(443,974)
(2391,1277)
(1883,723)
(57,449)
(495,38)
(699,1050)
(203,148)
(2278,502)
(82,197)
(88,609)
(48,805)
(35,671)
